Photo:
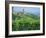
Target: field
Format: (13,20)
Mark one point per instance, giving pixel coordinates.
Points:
(25,21)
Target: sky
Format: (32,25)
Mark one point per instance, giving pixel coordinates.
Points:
(35,10)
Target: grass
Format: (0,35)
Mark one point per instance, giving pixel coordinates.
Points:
(23,22)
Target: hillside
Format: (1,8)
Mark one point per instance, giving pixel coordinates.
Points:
(21,21)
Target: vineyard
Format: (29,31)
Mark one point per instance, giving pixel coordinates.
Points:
(24,22)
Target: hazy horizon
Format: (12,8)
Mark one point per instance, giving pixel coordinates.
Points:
(34,10)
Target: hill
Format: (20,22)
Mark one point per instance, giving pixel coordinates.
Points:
(21,21)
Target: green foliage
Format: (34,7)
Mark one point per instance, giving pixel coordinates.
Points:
(22,22)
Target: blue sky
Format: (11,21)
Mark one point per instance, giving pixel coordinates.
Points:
(35,10)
